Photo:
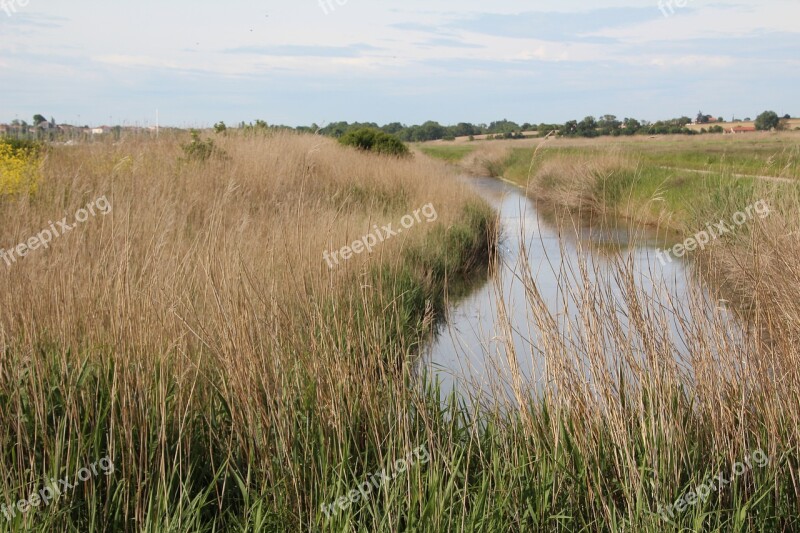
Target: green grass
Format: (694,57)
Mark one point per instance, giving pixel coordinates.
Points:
(775,157)
(483,474)
(449,153)
(659,184)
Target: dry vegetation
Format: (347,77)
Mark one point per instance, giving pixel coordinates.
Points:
(188,332)
(197,337)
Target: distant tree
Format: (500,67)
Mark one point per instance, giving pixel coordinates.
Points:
(545,129)
(571,127)
(464,129)
(393,128)
(703,119)
(429,131)
(787,116)
(767,121)
(503,126)
(609,125)
(220,127)
(587,127)
(632,126)
(38,119)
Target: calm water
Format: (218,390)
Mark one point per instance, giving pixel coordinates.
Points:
(468,352)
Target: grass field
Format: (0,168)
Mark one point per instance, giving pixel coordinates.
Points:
(450,153)
(653,180)
(194,336)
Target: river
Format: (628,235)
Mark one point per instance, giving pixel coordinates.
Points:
(469,352)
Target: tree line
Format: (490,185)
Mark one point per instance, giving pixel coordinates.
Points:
(607,125)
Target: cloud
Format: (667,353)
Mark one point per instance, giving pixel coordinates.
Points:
(449,43)
(27,24)
(355,50)
(575,26)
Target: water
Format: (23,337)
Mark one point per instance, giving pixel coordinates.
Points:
(469,353)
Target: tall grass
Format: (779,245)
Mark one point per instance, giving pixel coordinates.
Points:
(197,338)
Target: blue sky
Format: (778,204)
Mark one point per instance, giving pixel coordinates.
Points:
(297,62)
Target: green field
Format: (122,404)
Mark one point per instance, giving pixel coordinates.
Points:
(449,153)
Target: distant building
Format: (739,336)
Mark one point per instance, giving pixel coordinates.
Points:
(743,129)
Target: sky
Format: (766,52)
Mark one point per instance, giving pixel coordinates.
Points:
(298,62)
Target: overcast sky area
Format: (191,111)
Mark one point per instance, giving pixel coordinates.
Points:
(296,63)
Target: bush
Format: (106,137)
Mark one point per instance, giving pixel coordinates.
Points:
(372,140)
(23,146)
(20,166)
(199,150)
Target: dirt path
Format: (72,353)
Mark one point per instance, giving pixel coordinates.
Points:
(706,172)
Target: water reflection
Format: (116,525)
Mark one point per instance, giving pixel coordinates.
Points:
(470,352)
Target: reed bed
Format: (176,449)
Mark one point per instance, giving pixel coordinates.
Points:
(196,337)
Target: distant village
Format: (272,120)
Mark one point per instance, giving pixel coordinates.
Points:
(49,130)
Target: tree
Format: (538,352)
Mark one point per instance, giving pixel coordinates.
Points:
(787,116)
(464,129)
(503,126)
(632,126)
(220,127)
(767,121)
(38,119)
(588,127)
(429,131)
(393,128)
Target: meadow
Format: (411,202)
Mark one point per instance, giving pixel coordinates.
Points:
(196,338)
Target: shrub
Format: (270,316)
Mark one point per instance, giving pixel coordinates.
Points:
(20,166)
(372,140)
(199,150)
